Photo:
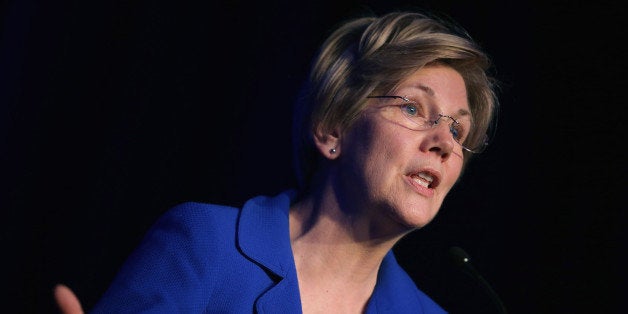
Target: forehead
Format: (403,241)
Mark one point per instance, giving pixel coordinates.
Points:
(439,85)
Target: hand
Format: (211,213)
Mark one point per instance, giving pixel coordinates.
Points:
(66,300)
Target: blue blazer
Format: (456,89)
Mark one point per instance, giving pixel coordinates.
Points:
(205,258)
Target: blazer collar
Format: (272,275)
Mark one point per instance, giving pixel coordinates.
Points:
(264,236)
(264,233)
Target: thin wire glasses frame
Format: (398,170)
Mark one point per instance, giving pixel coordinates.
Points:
(409,110)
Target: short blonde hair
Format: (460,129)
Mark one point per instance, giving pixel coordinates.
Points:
(374,54)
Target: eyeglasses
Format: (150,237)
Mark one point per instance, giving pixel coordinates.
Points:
(418,115)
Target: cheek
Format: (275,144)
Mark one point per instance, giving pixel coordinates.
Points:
(372,148)
(386,152)
(453,172)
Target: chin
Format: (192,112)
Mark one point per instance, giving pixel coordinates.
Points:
(416,219)
(408,216)
(411,221)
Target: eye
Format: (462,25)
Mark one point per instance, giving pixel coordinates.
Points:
(413,110)
(457,131)
(409,109)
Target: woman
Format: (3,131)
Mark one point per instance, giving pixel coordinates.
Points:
(393,109)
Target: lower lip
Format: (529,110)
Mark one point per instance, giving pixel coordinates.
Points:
(419,188)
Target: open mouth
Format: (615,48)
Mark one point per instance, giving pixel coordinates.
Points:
(425,179)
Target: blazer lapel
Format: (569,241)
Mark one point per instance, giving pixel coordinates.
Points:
(264,236)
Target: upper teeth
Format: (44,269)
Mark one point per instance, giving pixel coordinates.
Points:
(426,176)
(424,179)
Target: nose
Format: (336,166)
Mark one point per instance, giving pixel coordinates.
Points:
(440,140)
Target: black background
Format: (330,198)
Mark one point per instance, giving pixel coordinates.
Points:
(114,111)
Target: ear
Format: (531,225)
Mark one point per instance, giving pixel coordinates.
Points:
(327,142)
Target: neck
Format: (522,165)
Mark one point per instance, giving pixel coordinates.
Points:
(328,239)
(338,245)
(336,257)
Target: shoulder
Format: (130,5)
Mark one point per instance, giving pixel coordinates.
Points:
(195,213)
(192,226)
(171,268)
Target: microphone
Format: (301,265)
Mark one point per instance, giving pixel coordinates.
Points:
(461,259)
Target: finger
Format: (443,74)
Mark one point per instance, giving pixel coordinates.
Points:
(66,300)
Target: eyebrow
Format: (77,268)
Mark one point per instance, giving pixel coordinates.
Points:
(430,92)
(426,89)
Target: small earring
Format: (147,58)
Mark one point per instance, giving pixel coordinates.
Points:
(332,151)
